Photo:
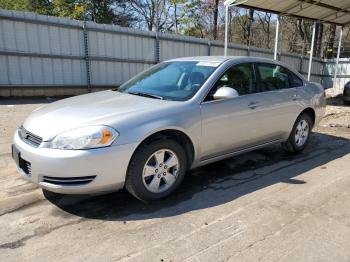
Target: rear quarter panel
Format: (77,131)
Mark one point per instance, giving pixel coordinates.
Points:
(315,92)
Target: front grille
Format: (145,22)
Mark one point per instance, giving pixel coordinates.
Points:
(29,137)
(68,181)
(25,166)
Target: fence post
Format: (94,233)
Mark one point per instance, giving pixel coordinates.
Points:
(323,72)
(209,47)
(301,64)
(86,57)
(157,48)
(248,50)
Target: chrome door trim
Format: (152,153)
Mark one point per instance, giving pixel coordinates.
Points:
(217,157)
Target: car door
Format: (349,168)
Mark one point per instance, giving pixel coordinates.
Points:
(232,124)
(279,90)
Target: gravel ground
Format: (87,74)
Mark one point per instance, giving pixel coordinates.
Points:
(265,205)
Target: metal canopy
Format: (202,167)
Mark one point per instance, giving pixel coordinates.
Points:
(327,11)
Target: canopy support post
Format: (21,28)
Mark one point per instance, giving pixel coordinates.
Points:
(338,55)
(311,51)
(276,38)
(226,28)
(228,4)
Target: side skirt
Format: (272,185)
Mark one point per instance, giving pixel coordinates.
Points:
(209,160)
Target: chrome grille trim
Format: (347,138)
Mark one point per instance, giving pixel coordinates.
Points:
(68,181)
(29,137)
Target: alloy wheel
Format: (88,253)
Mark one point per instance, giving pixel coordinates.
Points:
(160,171)
(302,133)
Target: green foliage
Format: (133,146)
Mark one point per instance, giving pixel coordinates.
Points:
(43,7)
(100,11)
(68,8)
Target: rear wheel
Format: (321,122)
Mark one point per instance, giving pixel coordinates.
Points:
(156,170)
(299,137)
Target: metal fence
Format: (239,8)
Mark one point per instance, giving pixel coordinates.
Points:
(343,76)
(43,55)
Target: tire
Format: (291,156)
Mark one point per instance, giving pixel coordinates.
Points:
(346,103)
(145,174)
(299,137)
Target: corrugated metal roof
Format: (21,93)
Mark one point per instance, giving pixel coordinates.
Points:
(329,11)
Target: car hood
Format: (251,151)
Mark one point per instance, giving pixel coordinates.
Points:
(92,109)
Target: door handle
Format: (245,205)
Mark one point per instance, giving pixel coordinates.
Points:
(295,97)
(253,105)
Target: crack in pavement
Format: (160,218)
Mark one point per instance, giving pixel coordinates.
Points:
(5,155)
(22,207)
(21,242)
(138,253)
(294,221)
(256,175)
(325,150)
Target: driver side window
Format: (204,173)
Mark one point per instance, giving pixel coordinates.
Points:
(240,77)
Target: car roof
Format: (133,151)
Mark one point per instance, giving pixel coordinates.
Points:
(204,58)
(238,59)
(222,59)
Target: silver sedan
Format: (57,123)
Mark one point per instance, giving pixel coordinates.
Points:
(175,116)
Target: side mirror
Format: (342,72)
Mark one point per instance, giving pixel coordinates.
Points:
(225,93)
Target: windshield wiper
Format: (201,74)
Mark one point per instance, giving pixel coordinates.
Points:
(146,95)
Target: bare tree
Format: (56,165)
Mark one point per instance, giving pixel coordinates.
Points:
(331,40)
(320,46)
(245,22)
(265,22)
(154,14)
(249,25)
(177,13)
(215,18)
(176,20)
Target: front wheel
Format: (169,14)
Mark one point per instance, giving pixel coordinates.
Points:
(299,137)
(156,169)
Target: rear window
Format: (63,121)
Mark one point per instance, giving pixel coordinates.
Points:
(294,80)
(273,77)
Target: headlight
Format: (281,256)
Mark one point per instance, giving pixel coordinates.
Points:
(85,137)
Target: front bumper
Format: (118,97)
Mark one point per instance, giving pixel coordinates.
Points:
(54,169)
(320,110)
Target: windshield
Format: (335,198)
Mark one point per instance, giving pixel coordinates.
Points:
(177,81)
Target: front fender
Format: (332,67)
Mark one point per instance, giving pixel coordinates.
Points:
(186,120)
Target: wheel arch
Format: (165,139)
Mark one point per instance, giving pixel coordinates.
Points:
(311,112)
(171,133)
